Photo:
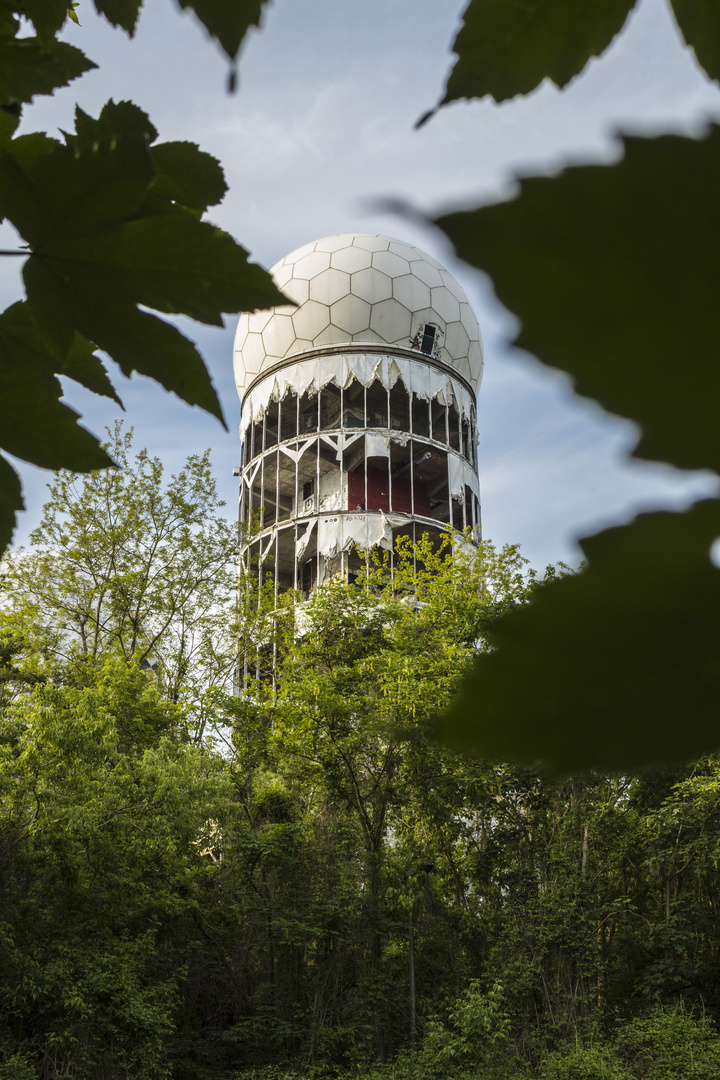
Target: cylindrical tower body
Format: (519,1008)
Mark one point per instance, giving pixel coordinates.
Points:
(358,408)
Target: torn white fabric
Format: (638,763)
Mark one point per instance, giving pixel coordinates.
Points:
(302,541)
(422,379)
(340,532)
(456,476)
(377,445)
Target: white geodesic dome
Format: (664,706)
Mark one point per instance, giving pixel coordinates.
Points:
(359,288)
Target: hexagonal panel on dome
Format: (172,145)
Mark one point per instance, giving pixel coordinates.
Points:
(411,292)
(391,321)
(335,243)
(278,335)
(310,319)
(445,304)
(453,286)
(311,264)
(351,259)
(351,314)
(371,285)
(298,289)
(456,340)
(427,273)
(329,286)
(372,243)
(332,335)
(390,264)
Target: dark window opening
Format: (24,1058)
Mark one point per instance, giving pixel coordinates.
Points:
(308,413)
(329,407)
(354,405)
(308,488)
(271,425)
(420,417)
(288,417)
(377,405)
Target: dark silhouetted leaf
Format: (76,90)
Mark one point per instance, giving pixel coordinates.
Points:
(101,248)
(47,16)
(27,69)
(507,47)
(615,668)
(122,13)
(699,21)
(34,424)
(11,501)
(613,271)
(187,175)
(227,20)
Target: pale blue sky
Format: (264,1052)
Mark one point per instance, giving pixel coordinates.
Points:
(323,123)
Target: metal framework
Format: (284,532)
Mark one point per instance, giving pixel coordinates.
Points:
(347,447)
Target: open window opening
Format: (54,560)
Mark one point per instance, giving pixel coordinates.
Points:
(438,414)
(289,416)
(286,487)
(401,501)
(430,482)
(269,489)
(377,405)
(286,559)
(454,427)
(308,412)
(307,474)
(420,417)
(399,407)
(330,407)
(271,424)
(354,405)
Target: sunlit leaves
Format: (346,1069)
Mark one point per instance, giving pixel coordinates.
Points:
(613,271)
(615,668)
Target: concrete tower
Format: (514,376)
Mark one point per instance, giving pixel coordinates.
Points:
(358,408)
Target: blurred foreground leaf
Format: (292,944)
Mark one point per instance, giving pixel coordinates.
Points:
(699,22)
(614,274)
(507,47)
(614,668)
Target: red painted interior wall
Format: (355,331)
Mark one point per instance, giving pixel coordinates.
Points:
(378,495)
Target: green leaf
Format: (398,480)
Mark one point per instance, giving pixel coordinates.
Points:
(227,20)
(47,16)
(614,668)
(81,363)
(101,249)
(699,23)
(27,69)
(507,47)
(188,176)
(34,424)
(11,501)
(613,271)
(123,13)
(136,340)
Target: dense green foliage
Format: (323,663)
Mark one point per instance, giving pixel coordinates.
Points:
(167,911)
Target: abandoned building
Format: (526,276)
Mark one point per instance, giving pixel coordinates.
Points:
(358,416)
